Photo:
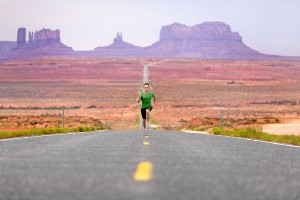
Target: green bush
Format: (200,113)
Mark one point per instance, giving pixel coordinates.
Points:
(81,129)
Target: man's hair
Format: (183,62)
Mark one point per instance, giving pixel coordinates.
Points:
(146,84)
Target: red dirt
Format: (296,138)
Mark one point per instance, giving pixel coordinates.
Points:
(185,89)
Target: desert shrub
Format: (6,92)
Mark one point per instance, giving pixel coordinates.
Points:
(33,122)
(92,106)
(74,107)
(267,120)
(81,129)
(97,124)
(227,124)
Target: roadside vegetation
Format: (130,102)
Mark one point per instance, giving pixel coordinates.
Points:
(255,132)
(46,131)
(242,127)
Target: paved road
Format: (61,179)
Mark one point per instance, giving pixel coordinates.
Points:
(101,165)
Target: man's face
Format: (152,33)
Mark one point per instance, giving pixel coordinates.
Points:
(146,87)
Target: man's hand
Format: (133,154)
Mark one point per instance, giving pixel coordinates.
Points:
(139,98)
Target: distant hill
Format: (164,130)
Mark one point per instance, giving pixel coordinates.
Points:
(211,40)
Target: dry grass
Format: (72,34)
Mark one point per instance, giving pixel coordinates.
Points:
(256,133)
(46,131)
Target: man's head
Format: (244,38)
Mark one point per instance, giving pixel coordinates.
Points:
(146,86)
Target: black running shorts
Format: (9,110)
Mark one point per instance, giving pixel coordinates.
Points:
(143,111)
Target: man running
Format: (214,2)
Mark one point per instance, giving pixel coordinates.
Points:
(146,98)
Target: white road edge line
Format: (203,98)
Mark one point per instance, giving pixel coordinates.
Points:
(240,138)
(48,135)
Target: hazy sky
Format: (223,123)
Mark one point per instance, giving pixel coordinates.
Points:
(269,26)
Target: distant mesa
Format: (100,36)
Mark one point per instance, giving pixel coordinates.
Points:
(206,40)
(204,31)
(38,39)
(44,42)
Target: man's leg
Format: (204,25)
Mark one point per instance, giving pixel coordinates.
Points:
(144,123)
(148,115)
(143,113)
(148,118)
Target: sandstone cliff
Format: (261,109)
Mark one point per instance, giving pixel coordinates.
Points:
(206,40)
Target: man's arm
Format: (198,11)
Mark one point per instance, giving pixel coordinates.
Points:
(139,99)
(153,100)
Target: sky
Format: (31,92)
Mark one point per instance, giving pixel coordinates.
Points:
(268,26)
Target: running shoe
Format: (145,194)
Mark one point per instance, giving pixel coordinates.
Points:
(148,125)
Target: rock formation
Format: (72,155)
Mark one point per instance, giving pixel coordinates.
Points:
(46,37)
(118,39)
(38,39)
(41,43)
(206,40)
(118,44)
(30,37)
(204,31)
(118,48)
(21,37)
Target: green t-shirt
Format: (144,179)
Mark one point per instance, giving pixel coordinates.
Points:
(146,99)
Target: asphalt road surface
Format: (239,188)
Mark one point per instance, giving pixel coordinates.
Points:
(103,165)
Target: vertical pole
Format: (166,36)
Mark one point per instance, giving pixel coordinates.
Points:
(221,118)
(63,116)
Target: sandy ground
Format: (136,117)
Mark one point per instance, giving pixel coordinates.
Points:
(288,128)
(105,92)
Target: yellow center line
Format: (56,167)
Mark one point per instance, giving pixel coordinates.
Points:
(146,143)
(143,171)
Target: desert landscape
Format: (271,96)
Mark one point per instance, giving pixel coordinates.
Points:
(190,92)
